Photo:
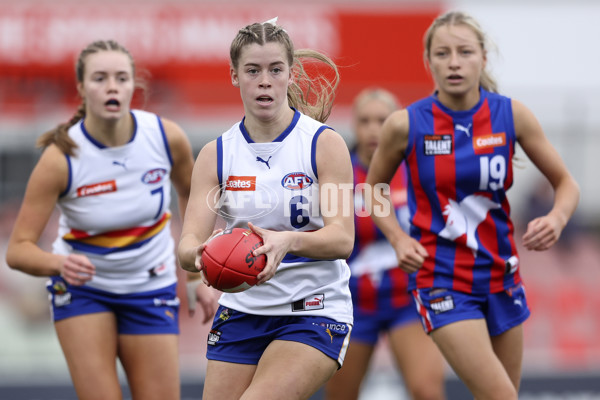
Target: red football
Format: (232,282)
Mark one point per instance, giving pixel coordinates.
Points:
(229,264)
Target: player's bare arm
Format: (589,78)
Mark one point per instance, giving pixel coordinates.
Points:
(183,162)
(543,232)
(48,179)
(386,160)
(199,218)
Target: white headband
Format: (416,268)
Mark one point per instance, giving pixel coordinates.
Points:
(272,21)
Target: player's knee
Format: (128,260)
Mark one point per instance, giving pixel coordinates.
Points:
(505,393)
(427,391)
(339,393)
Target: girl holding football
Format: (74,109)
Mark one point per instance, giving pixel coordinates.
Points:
(285,337)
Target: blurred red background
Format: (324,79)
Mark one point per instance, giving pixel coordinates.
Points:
(185,47)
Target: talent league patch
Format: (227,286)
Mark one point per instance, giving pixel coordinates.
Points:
(435,145)
(442,304)
(63,299)
(213,337)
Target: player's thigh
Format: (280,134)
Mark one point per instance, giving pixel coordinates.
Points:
(467,347)
(290,371)
(508,346)
(225,380)
(89,343)
(345,383)
(151,363)
(420,361)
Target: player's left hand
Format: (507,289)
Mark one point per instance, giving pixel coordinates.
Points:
(542,233)
(200,293)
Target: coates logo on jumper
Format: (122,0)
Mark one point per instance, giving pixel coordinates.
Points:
(97,188)
(247,183)
(486,143)
(296,181)
(154,176)
(242,197)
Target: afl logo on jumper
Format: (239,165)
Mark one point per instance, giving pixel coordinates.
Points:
(437,145)
(97,188)
(154,176)
(296,181)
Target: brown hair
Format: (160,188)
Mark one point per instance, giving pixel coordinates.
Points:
(312,96)
(486,80)
(59,135)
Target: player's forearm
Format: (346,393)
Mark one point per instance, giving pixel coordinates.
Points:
(566,199)
(182,205)
(187,252)
(333,241)
(390,227)
(30,259)
(384,216)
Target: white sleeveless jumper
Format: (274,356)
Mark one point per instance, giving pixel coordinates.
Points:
(115,209)
(275,186)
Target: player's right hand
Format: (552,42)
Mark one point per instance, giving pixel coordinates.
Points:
(76,269)
(411,254)
(198,260)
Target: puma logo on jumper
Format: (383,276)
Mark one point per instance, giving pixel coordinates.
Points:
(463,128)
(122,164)
(263,161)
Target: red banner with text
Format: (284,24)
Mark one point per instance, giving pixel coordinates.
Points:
(185,46)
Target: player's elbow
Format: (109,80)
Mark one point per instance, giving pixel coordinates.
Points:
(346,245)
(12,258)
(346,253)
(9,255)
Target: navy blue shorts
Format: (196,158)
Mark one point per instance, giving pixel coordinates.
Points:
(387,310)
(153,312)
(242,338)
(502,311)
(368,326)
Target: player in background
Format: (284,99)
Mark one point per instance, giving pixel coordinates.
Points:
(382,304)
(112,268)
(275,171)
(458,145)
